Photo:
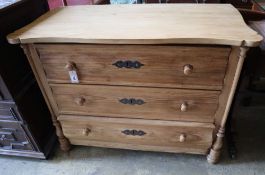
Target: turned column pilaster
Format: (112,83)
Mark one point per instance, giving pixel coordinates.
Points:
(227,94)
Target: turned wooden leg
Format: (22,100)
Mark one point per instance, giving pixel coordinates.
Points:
(64,142)
(215,152)
(230,83)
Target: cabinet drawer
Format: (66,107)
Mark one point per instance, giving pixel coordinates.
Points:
(136,65)
(153,135)
(136,102)
(13,137)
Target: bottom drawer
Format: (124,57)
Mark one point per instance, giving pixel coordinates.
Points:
(138,134)
(12,137)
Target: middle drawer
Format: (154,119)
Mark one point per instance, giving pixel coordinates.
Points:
(136,102)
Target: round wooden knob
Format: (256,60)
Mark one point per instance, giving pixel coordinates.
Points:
(182,137)
(80,101)
(187,69)
(86,131)
(184,107)
(70,66)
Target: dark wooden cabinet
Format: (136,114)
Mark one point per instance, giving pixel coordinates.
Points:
(25,125)
(245,4)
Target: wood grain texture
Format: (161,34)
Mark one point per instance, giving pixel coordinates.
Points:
(140,24)
(79,101)
(241,57)
(236,61)
(35,64)
(228,83)
(158,103)
(108,132)
(163,66)
(183,84)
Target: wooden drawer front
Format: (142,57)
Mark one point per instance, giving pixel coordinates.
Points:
(136,65)
(141,134)
(12,137)
(136,102)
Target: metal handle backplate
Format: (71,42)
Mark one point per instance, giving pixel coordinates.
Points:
(131,101)
(128,64)
(133,132)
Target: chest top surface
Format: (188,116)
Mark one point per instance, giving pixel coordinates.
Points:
(140,24)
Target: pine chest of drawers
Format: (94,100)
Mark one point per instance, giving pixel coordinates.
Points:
(144,77)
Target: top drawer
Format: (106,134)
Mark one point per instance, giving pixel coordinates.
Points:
(140,65)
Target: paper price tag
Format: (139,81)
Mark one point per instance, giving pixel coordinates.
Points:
(73,76)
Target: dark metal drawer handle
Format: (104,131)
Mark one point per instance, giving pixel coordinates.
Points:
(132,101)
(128,64)
(133,132)
(22,144)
